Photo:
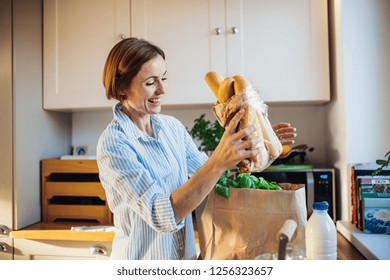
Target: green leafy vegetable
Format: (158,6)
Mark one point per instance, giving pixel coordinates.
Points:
(242,181)
(222,190)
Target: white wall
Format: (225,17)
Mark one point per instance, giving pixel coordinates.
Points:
(366,48)
(359,111)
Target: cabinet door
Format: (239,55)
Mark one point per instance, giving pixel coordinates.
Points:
(78,35)
(6,248)
(281,46)
(29,249)
(185,30)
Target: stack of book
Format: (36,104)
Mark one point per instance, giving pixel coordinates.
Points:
(370,199)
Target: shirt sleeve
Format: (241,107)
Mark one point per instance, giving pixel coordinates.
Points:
(129,184)
(195,158)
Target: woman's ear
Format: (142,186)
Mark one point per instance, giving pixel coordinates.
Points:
(122,94)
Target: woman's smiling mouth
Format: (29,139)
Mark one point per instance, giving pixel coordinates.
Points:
(154,100)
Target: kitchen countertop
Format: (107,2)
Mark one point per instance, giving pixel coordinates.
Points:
(372,246)
(62,231)
(346,250)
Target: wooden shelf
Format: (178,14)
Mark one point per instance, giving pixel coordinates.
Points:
(71,190)
(50,166)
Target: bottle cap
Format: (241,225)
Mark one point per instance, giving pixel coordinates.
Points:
(323,205)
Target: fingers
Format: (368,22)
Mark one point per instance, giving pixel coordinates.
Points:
(287,142)
(280,129)
(232,127)
(288,130)
(244,132)
(283,127)
(285,133)
(285,136)
(280,125)
(238,137)
(250,144)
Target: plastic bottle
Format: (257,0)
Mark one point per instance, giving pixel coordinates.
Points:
(321,234)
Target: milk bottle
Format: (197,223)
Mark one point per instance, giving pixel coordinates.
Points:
(321,234)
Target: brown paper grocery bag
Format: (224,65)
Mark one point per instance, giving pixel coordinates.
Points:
(246,224)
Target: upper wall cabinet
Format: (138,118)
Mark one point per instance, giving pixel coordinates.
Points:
(280,45)
(183,29)
(78,36)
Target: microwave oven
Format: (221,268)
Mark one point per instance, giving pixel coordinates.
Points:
(319,183)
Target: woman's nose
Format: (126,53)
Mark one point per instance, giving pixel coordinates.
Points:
(162,87)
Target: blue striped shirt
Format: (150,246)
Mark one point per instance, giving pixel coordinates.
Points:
(139,173)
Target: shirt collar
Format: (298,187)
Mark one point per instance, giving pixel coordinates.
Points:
(131,129)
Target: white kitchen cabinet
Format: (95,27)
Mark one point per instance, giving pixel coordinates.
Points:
(78,35)
(6,249)
(183,29)
(30,249)
(281,46)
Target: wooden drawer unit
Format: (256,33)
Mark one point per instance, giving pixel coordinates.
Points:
(71,190)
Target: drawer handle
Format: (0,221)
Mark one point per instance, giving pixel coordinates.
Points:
(98,250)
(4,230)
(3,247)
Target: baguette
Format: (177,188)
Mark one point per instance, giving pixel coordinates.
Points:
(226,90)
(250,117)
(272,142)
(261,159)
(214,80)
(240,84)
(235,93)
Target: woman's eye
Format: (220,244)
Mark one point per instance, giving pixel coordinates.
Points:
(150,83)
(154,82)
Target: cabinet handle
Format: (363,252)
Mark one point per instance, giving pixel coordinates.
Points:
(4,230)
(218,31)
(122,36)
(234,30)
(98,250)
(3,247)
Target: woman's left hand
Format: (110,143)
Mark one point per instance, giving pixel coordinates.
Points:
(285,133)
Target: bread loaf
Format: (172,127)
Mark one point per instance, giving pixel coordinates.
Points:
(214,80)
(240,84)
(235,93)
(272,143)
(249,165)
(226,90)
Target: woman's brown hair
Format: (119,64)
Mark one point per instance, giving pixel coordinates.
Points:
(124,62)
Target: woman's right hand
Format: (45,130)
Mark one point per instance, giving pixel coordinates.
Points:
(230,151)
(233,146)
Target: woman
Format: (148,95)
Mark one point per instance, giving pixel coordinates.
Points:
(144,159)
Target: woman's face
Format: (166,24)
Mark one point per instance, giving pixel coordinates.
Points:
(145,93)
